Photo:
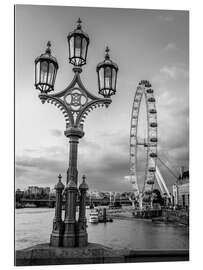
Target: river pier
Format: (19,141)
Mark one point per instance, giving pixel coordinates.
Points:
(148,214)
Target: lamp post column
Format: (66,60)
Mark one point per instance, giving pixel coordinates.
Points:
(69,237)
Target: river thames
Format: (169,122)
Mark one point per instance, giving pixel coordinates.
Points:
(34,225)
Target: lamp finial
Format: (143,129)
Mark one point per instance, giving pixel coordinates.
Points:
(59,177)
(48,50)
(79,23)
(107,53)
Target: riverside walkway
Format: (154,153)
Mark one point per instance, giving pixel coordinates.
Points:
(44,254)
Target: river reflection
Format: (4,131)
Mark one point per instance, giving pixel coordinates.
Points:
(34,225)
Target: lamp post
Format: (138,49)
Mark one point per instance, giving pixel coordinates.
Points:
(75,102)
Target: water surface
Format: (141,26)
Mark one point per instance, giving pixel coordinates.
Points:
(34,225)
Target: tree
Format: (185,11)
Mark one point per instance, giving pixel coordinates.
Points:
(157,198)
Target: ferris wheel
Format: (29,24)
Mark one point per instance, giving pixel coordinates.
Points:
(144,90)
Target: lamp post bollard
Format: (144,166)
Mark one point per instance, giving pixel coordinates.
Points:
(81,232)
(70,215)
(75,102)
(58,225)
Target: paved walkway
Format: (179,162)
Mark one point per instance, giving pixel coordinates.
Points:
(43,254)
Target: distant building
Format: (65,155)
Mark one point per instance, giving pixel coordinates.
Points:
(35,190)
(19,195)
(19,192)
(47,190)
(181,194)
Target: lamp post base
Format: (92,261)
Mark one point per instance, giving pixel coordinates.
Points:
(69,240)
(56,238)
(82,239)
(69,234)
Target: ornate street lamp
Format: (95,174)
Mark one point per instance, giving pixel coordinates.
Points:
(75,102)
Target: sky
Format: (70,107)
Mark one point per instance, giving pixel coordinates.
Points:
(146,44)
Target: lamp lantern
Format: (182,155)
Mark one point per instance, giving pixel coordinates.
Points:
(46,67)
(107,76)
(78,42)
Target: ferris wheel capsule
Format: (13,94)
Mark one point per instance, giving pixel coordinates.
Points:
(153,139)
(152,169)
(153,155)
(150,182)
(151,99)
(153,124)
(152,111)
(147,84)
(150,91)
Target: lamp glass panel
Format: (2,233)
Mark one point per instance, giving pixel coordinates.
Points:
(54,76)
(44,72)
(84,48)
(113,78)
(78,46)
(71,44)
(107,77)
(101,77)
(37,74)
(51,74)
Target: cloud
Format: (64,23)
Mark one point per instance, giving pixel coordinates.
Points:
(173,72)
(104,166)
(19,171)
(56,132)
(40,163)
(41,170)
(108,173)
(170,47)
(105,158)
(105,172)
(166,18)
(171,78)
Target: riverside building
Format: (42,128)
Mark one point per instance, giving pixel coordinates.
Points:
(181,189)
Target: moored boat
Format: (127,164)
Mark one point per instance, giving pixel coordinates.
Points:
(94,217)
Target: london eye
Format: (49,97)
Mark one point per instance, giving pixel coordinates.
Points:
(144,90)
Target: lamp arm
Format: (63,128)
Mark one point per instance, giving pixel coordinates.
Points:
(62,93)
(89,95)
(76,80)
